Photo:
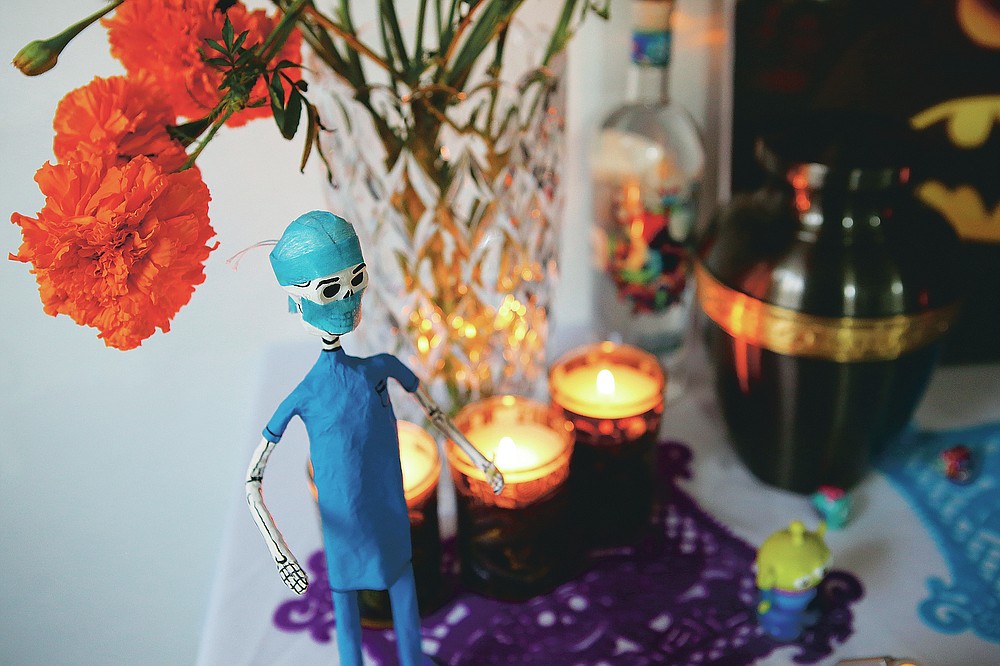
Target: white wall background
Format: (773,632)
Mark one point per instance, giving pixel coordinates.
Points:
(117,470)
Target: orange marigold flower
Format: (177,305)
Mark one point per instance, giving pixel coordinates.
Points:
(117,247)
(162,38)
(116,118)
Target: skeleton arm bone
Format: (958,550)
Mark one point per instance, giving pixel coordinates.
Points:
(291,573)
(444,424)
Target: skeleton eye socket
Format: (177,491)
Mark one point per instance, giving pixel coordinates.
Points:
(331,290)
(358,279)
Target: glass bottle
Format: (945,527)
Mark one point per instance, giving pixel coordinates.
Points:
(647,164)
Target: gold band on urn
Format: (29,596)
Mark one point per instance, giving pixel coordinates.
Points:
(840,339)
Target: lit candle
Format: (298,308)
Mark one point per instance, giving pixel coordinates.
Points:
(613,396)
(521,451)
(513,545)
(529,443)
(508,456)
(607,381)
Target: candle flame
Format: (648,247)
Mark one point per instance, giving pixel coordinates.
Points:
(505,447)
(605,382)
(506,453)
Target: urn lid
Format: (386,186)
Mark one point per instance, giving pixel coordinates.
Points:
(862,150)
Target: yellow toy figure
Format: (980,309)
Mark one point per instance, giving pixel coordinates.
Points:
(790,564)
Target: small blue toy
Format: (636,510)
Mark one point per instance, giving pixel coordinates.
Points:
(353,442)
(833,505)
(790,564)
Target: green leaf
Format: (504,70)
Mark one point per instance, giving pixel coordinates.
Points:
(293,111)
(240,39)
(312,134)
(188,132)
(345,116)
(277,98)
(277,90)
(217,46)
(244,59)
(602,9)
(227,33)
(279,115)
(488,23)
(388,12)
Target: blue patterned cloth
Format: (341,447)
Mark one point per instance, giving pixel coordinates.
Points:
(963,519)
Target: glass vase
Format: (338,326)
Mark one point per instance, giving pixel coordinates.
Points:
(458,223)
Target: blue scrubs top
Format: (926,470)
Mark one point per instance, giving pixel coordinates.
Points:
(354,447)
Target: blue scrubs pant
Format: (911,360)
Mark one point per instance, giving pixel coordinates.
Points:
(405,619)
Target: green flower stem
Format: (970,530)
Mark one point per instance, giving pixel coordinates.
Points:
(276,40)
(319,41)
(494,72)
(438,17)
(356,45)
(561,34)
(465,32)
(224,110)
(41,55)
(78,27)
(353,73)
(452,11)
(450,41)
(418,46)
(494,17)
(392,56)
(353,54)
(390,20)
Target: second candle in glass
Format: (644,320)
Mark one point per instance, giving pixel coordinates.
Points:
(613,396)
(513,545)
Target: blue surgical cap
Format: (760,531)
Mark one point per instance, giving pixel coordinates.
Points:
(315,244)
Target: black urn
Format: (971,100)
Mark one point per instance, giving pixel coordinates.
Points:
(827,294)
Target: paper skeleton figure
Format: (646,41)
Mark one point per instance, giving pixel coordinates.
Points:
(353,443)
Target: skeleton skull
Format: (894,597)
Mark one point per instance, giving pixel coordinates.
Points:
(330,303)
(318,262)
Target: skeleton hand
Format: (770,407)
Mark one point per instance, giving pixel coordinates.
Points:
(293,576)
(493,477)
(444,424)
(291,573)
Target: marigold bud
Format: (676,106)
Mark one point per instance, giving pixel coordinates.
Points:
(42,55)
(38,56)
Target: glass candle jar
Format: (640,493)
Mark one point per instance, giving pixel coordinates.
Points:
(513,545)
(613,396)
